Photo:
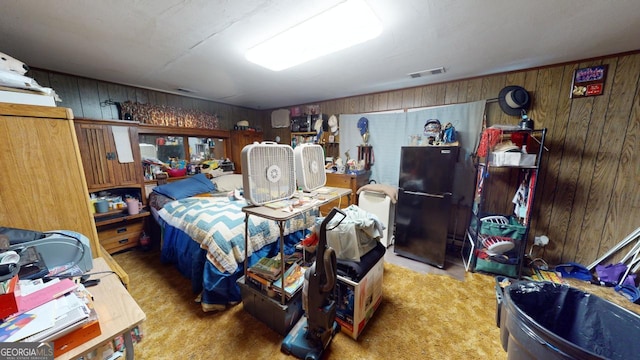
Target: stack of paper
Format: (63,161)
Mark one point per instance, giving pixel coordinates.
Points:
(46,311)
(48,321)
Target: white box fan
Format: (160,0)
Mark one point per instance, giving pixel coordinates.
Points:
(268,172)
(309,164)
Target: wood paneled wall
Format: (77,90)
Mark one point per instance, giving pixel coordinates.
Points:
(94,99)
(588,197)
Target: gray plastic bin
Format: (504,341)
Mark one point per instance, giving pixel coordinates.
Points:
(543,320)
(278,317)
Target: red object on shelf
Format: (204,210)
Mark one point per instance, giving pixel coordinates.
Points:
(177,172)
(310,240)
(8,302)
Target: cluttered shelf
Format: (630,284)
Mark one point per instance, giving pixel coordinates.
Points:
(497,235)
(116,216)
(280,314)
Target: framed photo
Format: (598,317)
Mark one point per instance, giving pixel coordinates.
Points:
(588,81)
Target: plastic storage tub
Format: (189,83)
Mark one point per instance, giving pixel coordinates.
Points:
(278,317)
(543,320)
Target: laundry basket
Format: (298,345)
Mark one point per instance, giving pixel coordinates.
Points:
(380,205)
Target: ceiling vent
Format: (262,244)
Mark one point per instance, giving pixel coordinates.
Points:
(186,91)
(434,71)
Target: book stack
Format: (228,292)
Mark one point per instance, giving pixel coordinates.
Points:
(267,268)
(293,280)
(265,275)
(58,311)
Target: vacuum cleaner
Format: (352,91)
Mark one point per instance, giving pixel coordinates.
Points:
(312,334)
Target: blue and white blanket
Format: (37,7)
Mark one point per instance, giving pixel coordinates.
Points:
(217,224)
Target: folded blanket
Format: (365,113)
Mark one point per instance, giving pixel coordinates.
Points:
(217,224)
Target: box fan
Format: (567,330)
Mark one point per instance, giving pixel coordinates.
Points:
(309,165)
(268,172)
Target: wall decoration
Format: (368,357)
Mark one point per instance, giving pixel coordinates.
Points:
(588,81)
(167,116)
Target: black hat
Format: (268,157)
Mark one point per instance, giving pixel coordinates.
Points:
(514,99)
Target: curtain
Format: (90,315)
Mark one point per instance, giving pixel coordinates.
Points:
(391,130)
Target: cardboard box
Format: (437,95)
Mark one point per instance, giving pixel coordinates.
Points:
(357,302)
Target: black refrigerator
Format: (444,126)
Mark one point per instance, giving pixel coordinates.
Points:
(424,202)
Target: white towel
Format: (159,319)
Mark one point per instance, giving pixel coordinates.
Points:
(123,143)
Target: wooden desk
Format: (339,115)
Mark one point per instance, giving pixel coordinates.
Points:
(117,312)
(347,181)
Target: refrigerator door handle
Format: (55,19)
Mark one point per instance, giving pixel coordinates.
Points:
(441,196)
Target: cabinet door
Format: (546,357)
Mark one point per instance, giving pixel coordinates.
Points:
(128,174)
(240,139)
(97,155)
(100,158)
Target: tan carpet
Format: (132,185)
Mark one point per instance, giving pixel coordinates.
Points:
(422,316)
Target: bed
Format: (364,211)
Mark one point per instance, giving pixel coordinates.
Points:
(202,234)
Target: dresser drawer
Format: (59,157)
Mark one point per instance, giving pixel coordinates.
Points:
(117,237)
(340,181)
(339,203)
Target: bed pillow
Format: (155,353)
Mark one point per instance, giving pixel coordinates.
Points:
(228,182)
(194,185)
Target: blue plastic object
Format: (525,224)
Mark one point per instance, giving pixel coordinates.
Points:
(363,125)
(574,270)
(629,291)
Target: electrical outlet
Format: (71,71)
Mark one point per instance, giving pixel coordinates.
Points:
(541,240)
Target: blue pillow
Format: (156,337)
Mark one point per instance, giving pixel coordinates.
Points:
(194,185)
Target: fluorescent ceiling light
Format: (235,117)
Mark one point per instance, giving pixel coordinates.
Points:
(349,23)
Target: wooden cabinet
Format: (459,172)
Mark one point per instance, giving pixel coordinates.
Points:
(240,139)
(347,181)
(102,166)
(43,185)
(105,172)
(120,232)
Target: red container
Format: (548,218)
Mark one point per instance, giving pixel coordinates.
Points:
(8,302)
(177,172)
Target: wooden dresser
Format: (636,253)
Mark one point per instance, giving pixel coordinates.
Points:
(348,181)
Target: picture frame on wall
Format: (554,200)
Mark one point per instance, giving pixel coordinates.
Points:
(588,81)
